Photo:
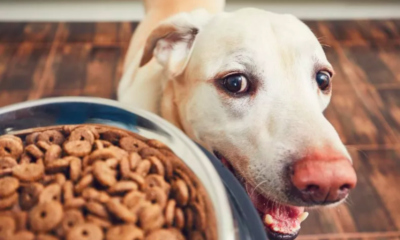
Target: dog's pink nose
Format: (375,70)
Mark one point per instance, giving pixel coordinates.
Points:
(323,180)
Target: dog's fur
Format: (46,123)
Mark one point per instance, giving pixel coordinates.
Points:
(277,123)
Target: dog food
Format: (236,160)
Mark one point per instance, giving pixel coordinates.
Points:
(92,182)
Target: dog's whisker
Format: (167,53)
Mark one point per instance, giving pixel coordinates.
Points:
(255,188)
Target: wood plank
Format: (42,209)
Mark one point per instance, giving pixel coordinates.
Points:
(346,30)
(80,32)
(27,32)
(100,72)
(21,68)
(6,53)
(356,120)
(388,101)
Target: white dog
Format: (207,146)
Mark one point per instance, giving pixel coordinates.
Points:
(251,87)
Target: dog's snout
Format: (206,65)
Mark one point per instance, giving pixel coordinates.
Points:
(323,180)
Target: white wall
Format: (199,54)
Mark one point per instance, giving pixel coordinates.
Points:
(131,10)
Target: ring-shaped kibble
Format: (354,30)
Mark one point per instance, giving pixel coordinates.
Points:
(156,166)
(10,147)
(71,218)
(85,231)
(82,134)
(97,209)
(113,135)
(156,195)
(78,148)
(51,137)
(131,144)
(29,195)
(30,172)
(151,217)
(32,138)
(7,162)
(45,217)
(12,137)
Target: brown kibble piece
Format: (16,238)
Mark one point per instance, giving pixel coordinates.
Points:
(8,201)
(56,166)
(189,219)
(60,179)
(156,195)
(137,179)
(133,199)
(82,134)
(164,234)
(75,169)
(7,162)
(85,231)
(74,203)
(143,168)
(32,138)
(154,180)
(112,163)
(124,167)
(78,148)
(151,218)
(53,153)
(113,135)
(70,219)
(51,137)
(50,193)
(125,232)
(170,212)
(122,187)
(8,186)
(45,217)
(180,192)
(97,209)
(84,183)
(21,219)
(131,144)
(29,195)
(68,190)
(28,172)
(179,218)
(101,222)
(199,217)
(103,174)
(92,194)
(10,147)
(43,145)
(156,166)
(120,211)
(157,144)
(134,160)
(7,226)
(34,151)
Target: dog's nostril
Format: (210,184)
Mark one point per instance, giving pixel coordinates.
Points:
(345,187)
(311,188)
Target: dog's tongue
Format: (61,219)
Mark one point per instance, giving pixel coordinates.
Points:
(277,217)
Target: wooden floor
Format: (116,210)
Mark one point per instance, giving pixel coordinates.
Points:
(40,60)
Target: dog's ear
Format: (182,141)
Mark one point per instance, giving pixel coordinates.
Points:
(171,42)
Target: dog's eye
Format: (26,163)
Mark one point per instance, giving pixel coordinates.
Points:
(323,79)
(235,83)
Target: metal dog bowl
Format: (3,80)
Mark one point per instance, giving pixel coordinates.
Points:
(237,219)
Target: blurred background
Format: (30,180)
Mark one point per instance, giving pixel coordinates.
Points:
(76,48)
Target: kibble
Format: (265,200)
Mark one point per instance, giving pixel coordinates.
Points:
(93,182)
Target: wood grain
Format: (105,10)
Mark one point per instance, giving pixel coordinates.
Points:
(40,60)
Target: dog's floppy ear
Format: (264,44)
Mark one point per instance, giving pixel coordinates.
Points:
(171,42)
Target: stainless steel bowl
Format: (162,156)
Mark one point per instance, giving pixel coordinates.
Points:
(236,216)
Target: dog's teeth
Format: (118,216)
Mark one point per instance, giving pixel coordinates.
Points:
(276,229)
(268,219)
(302,217)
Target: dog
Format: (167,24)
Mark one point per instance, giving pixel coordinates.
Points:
(251,87)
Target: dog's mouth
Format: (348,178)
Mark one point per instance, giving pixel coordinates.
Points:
(281,221)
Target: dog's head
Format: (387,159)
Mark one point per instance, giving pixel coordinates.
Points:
(251,86)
